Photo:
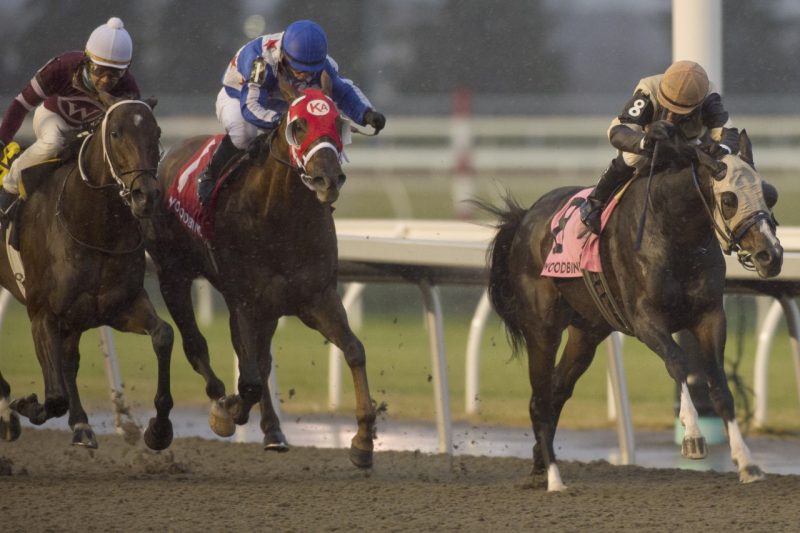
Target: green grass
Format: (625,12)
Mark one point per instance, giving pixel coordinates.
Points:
(399,370)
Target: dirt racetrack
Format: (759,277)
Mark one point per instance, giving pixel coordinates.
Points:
(205,485)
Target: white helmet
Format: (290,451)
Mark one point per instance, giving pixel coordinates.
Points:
(110,45)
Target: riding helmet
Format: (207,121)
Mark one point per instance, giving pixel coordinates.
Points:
(305,46)
(683,87)
(110,45)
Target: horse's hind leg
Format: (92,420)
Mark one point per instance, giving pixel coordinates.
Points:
(47,341)
(710,333)
(274,439)
(9,420)
(141,318)
(177,293)
(82,432)
(329,318)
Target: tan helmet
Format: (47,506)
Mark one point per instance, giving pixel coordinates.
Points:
(683,87)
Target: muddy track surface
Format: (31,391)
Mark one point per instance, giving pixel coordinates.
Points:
(205,485)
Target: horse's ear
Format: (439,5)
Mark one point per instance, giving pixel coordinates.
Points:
(151,101)
(326,84)
(746,148)
(288,90)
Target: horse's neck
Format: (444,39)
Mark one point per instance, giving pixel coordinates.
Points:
(680,210)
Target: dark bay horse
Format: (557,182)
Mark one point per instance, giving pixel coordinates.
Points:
(81,246)
(674,282)
(273,253)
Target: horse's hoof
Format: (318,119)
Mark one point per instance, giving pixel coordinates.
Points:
(220,421)
(234,405)
(751,473)
(275,441)
(694,447)
(360,457)
(83,435)
(158,435)
(10,428)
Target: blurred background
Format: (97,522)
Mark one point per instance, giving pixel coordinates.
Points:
(481,97)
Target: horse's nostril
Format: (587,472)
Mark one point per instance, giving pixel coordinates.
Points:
(763,257)
(342,179)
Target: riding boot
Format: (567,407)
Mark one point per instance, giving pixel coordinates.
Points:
(8,202)
(617,173)
(208,179)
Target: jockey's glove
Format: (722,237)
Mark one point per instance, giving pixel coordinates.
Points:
(374,119)
(660,130)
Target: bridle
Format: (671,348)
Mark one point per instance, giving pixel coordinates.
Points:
(731,237)
(125,190)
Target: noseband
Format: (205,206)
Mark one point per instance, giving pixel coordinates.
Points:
(733,237)
(125,190)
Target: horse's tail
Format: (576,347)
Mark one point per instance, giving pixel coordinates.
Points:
(503,294)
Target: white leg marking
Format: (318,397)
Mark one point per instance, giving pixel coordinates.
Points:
(554,483)
(688,414)
(5,410)
(740,453)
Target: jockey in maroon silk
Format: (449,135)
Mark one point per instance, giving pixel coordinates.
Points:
(67,88)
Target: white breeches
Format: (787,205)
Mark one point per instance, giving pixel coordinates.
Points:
(50,130)
(229,113)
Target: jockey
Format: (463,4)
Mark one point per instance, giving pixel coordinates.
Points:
(250,102)
(68,85)
(680,98)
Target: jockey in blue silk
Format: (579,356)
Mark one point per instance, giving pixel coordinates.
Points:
(250,102)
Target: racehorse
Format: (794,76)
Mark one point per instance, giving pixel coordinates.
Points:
(675,281)
(273,253)
(81,245)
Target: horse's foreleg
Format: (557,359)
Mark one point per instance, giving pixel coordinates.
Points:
(329,318)
(249,343)
(177,293)
(274,439)
(655,335)
(10,428)
(141,318)
(711,333)
(47,343)
(82,432)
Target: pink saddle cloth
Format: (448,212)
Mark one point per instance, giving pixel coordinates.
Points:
(575,248)
(182,198)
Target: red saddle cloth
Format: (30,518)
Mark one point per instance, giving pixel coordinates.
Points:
(575,248)
(182,198)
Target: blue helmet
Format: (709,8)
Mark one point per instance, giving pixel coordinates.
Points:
(305,46)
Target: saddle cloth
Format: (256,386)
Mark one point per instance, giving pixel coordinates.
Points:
(182,200)
(575,248)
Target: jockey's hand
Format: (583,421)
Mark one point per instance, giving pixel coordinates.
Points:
(374,119)
(660,130)
(717,150)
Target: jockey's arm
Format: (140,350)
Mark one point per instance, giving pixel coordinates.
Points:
(48,80)
(348,97)
(720,128)
(626,131)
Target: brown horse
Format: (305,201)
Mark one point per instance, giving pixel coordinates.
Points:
(81,246)
(273,253)
(674,282)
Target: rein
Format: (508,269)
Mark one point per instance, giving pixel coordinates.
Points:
(63,223)
(733,237)
(125,190)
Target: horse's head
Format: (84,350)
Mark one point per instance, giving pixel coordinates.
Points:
(743,211)
(316,134)
(130,141)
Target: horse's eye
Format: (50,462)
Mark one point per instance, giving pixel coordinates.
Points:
(729,204)
(114,134)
